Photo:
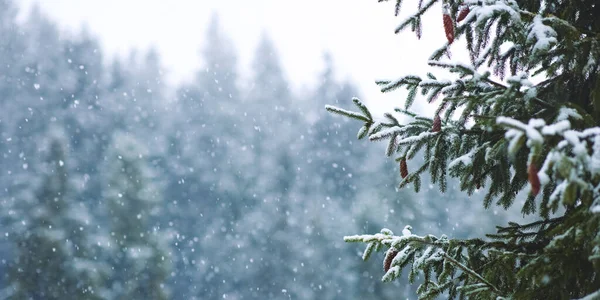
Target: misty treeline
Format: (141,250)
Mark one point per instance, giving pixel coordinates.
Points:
(117,186)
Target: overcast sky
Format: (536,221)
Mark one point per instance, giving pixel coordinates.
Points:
(359,34)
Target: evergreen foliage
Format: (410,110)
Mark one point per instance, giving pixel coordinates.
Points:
(518,120)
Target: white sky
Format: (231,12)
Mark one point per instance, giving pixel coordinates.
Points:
(359,34)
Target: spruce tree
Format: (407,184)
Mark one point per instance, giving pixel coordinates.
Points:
(518,122)
(141,260)
(270,113)
(203,166)
(52,244)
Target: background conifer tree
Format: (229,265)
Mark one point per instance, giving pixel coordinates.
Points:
(141,243)
(52,263)
(518,122)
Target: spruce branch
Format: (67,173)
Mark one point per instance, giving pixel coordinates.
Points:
(472,273)
(427,253)
(417,15)
(347,113)
(512,132)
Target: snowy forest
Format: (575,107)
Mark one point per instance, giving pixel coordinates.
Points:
(115,185)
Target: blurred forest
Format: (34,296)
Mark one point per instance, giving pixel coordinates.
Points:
(114,185)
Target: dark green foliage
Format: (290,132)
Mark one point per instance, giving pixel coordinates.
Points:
(505,132)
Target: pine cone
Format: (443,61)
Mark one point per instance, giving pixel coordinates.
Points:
(463,13)
(403,168)
(389,257)
(448,27)
(534,180)
(437,124)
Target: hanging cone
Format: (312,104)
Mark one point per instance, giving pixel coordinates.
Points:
(534,180)
(462,14)
(403,168)
(448,25)
(437,124)
(389,257)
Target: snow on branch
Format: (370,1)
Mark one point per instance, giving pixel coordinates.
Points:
(347,113)
(530,129)
(489,9)
(540,35)
(467,159)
